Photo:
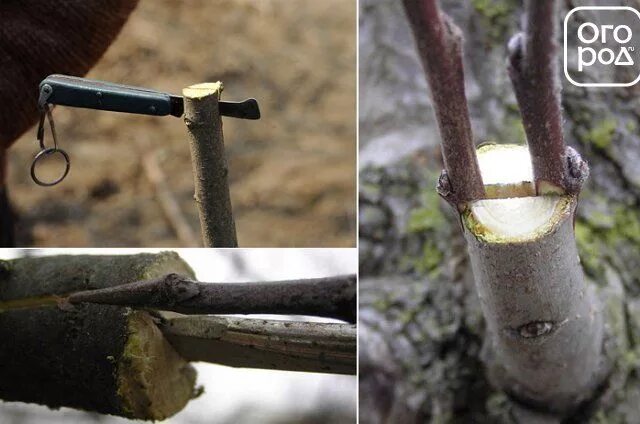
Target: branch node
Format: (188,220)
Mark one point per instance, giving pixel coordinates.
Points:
(515,48)
(577,171)
(443,187)
(535,329)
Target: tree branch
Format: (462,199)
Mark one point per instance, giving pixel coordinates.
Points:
(210,169)
(533,72)
(332,297)
(439,44)
(545,322)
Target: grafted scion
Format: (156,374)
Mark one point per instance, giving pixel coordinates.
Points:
(439,43)
(557,168)
(332,297)
(532,67)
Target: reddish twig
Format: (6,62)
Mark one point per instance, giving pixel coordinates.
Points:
(533,72)
(332,297)
(439,44)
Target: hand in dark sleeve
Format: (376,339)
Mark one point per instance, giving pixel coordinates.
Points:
(42,37)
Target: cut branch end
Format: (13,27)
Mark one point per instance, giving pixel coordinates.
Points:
(202,90)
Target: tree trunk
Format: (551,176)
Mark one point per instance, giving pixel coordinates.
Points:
(422,333)
(101,358)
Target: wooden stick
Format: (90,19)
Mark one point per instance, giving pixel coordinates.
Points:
(167,202)
(439,44)
(533,72)
(210,170)
(331,297)
(267,344)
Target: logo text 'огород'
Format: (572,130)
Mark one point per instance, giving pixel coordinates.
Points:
(593,50)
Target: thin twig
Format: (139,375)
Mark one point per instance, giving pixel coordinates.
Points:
(439,44)
(167,201)
(533,72)
(331,297)
(268,344)
(210,169)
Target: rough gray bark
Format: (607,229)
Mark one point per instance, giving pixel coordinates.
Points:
(99,358)
(421,326)
(210,169)
(330,297)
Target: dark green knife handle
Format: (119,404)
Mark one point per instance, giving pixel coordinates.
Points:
(70,91)
(91,94)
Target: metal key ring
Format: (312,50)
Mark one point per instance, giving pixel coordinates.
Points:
(48,152)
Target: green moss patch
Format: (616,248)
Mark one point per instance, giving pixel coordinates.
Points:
(601,135)
(496,17)
(428,221)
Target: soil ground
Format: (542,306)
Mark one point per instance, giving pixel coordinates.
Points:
(293,176)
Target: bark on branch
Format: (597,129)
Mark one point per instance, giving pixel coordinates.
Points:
(534,75)
(545,324)
(439,44)
(331,297)
(268,344)
(210,169)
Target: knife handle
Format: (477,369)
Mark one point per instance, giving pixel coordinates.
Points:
(91,94)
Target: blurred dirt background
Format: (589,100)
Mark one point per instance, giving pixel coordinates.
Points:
(293,176)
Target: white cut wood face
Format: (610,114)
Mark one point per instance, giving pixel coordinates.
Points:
(514,218)
(504,164)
